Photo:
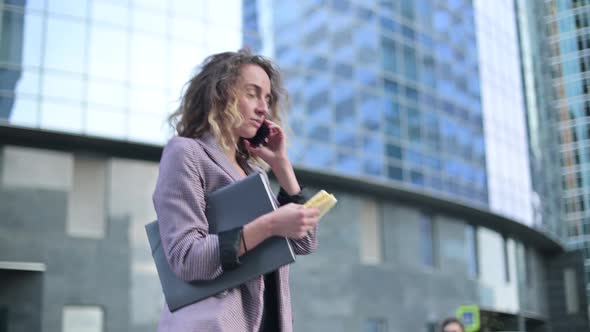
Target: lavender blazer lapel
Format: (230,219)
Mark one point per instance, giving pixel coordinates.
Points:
(213,150)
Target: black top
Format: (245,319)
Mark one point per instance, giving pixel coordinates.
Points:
(229,243)
(270,310)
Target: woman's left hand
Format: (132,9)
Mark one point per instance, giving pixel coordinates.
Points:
(275,149)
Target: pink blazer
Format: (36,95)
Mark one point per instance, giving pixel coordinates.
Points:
(189,169)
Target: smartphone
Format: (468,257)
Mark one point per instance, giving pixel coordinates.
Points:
(261,135)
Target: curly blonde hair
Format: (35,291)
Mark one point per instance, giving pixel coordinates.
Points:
(209,100)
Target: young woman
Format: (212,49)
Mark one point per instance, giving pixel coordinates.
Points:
(223,105)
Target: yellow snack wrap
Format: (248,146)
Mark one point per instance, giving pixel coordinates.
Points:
(323,201)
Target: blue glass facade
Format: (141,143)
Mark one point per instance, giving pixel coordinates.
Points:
(384,89)
(568,22)
(541,115)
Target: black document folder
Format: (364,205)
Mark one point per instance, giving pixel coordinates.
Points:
(229,207)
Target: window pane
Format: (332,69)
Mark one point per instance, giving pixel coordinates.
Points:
(407,8)
(345,115)
(185,59)
(147,128)
(389,55)
(148,60)
(346,138)
(155,4)
(103,122)
(22,111)
(226,12)
(73,8)
(196,8)
(61,116)
(410,69)
(318,155)
(65,45)
(394,151)
(373,166)
(343,70)
(373,145)
(366,77)
(220,38)
(417,178)
(107,93)
(108,52)
(192,31)
(367,44)
(28,83)
(147,100)
(82,319)
(62,86)
(348,163)
(149,21)
(113,13)
(395,173)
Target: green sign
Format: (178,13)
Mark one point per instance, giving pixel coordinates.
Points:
(469,315)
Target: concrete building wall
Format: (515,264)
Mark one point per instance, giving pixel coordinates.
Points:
(370,264)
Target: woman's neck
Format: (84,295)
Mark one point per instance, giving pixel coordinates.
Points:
(231,154)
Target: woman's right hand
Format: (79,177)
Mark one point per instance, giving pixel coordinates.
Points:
(293,221)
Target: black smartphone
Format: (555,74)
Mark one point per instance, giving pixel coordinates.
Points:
(261,135)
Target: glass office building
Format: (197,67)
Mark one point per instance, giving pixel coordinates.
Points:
(427,94)
(371,98)
(504,116)
(106,68)
(568,23)
(541,117)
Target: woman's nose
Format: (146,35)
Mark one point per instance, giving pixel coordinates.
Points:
(262,108)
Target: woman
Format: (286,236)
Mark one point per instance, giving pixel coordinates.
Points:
(222,106)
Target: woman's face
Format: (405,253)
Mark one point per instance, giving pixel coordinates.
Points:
(253,99)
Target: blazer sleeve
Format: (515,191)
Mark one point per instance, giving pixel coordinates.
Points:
(309,243)
(179,201)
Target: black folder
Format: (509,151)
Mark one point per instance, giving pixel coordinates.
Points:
(229,207)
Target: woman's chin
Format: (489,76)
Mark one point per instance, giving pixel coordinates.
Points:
(247,135)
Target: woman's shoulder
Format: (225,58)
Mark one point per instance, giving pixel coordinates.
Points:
(180,143)
(181,148)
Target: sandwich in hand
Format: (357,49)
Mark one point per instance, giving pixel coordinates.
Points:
(323,201)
